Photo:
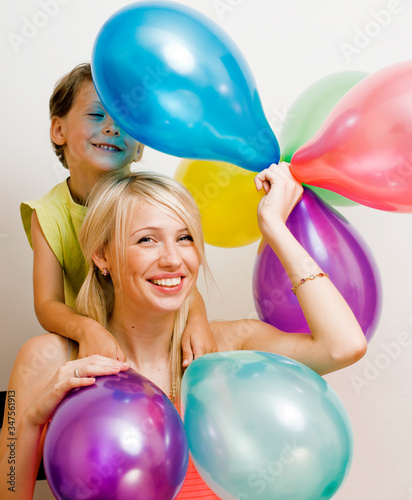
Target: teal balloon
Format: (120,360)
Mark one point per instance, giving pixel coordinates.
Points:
(264,427)
(175,81)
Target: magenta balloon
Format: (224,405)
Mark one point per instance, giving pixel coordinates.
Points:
(121,438)
(339,250)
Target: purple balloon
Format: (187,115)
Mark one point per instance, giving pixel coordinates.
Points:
(338,249)
(120,438)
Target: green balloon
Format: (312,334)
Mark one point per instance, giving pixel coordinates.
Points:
(307,114)
(335,199)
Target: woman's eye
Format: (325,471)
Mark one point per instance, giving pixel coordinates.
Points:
(186,237)
(145,239)
(98,115)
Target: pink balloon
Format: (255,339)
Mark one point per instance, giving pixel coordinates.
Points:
(363,150)
(339,250)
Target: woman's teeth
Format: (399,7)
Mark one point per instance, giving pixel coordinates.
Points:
(167,282)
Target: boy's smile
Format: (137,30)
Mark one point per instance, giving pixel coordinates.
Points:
(91,139)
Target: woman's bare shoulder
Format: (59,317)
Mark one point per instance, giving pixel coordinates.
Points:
(42,353)
(230,335)
(48,344)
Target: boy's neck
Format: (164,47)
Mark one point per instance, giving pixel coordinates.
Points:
(78,194)
(81,183)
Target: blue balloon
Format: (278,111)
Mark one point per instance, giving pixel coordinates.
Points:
(261,426)
(175,81)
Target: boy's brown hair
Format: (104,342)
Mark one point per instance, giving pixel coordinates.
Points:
(64,95)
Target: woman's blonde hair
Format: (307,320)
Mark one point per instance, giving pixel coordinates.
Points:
(108,220)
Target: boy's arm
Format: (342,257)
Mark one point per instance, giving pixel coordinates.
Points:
(51,311)
(197,338)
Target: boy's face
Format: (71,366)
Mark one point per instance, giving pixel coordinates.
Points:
(91,139)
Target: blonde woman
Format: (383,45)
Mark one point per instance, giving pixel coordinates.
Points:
(143,242)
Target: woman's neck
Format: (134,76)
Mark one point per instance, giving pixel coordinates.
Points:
(145,341)
(146,344)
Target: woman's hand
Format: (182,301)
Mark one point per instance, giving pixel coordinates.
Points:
(283,192)
(73,374)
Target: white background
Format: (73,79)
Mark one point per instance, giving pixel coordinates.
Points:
(289,45)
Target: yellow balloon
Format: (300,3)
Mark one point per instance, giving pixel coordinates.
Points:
(227,199)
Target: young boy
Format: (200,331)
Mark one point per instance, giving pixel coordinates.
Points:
(89,144)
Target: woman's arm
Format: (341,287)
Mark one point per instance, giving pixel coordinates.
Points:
(52,312)
(336,339)
(20,441)
(39,381)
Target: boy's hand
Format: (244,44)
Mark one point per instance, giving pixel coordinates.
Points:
(94,339)
(197,339)
(197,342)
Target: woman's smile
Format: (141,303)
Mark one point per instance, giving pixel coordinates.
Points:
(168,285)
(162,263)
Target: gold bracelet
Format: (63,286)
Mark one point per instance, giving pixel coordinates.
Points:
(304,280)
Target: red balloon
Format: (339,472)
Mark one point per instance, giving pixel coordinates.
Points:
(363,151)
